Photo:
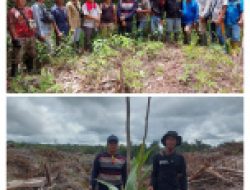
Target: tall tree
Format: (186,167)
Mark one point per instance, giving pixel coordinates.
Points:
(146,122)
(128,134)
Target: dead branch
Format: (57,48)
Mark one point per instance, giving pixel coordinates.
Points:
(198,173)
(218,175)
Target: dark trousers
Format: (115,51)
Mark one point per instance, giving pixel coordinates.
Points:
(58,40)
(125,29)
(23,54)
(213,32)
(186,36)
(89,34)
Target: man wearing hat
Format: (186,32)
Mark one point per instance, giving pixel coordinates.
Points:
(169,168)
(109,166)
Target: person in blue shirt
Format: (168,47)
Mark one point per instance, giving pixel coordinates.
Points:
(45,24)
(59,13)
(233,21)
(190,18)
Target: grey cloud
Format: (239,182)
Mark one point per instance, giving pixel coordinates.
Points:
(89,120)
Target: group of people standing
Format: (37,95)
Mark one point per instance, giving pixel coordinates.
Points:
(182,16)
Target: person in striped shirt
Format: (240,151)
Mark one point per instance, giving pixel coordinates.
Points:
(109,166)
(126,10)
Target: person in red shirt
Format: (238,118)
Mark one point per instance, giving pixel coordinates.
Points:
(22,30)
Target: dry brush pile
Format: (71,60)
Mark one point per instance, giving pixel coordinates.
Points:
(63,170)
(218,169)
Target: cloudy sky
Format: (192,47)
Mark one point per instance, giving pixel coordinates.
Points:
(90,120)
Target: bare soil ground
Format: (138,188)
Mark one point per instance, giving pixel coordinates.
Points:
(170,69)
(72,170)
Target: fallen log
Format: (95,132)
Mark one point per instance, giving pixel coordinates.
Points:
(198,173)
(230,170)
(47,174)
(38,182)
(203,180)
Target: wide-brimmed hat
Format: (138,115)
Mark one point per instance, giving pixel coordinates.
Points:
(112,138)
(171,134)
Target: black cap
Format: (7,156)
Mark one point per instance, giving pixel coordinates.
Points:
(112,138)
(171,134)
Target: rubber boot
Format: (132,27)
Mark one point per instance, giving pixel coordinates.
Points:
(204,39)
(213,32)
(30,65)
(228,47)
(168,37)
(14,69)
(188,39)
(77,47)
(176,37)
(235,45)
(185,38)
(199,41)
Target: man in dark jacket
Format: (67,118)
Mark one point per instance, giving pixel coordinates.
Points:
(173,14)
(169,168)
(109,167)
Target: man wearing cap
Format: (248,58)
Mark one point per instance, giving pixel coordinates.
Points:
(169,168)
(109,166)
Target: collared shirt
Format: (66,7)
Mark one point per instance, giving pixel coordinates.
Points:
(109,168)
(127,9)
(218,6)
(202,4)
(144,5)
(74,15)
(169,172)
(108,12)
(190,12)
(43,29)
(90,23)
(173,8)
(234,10)
(18,22)
(60,17)
(213,8)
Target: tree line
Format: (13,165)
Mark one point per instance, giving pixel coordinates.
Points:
(198,145)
